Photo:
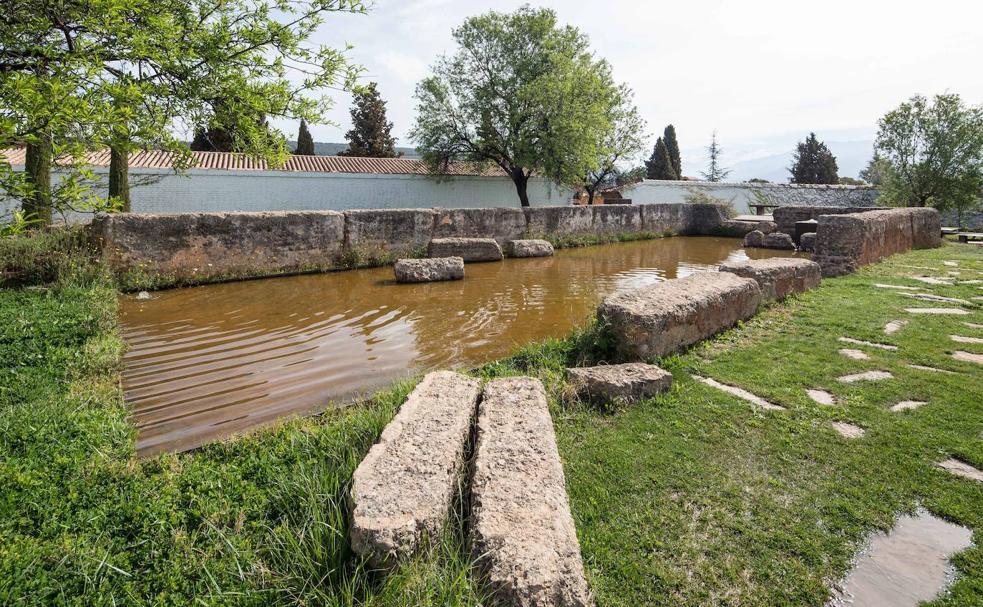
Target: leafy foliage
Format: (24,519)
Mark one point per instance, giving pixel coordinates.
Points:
(79,75)
(660,165)
(305,143)
(876,171)
(370,135)
(521,92)
(813,163)
(934,151)
(672,145)
(714,171)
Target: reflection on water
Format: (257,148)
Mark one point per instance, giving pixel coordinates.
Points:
(207,361)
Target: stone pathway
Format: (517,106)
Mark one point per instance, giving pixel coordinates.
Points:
(951,264)
(905,567)
(894,326)
(973,325)
(938,298)
(953,311)
(822,397)
(869,344)
(848,430)
(739,393)
(899,287)
(968,357)
(931,369)
(854,354)
(907,405)
(961,468)
(966,340)
(932,280)
(865,376)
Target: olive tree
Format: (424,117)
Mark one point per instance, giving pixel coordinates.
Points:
(521,92)
(933,152)
(77,75)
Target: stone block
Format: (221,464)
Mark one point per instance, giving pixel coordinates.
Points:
(502,224)
(468,249)
(403,490)
(627,382)
(559,221)
(778,277)
(787,216)
(766,227)
(201,246)
(529,248)
(808,242)
(389,231)
(753,239)
(778,240)
(847,242)
(616,219)
(666,317)
(705,219)
(429,270)
(523,535)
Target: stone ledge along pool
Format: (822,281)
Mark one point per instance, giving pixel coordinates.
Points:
(206,362)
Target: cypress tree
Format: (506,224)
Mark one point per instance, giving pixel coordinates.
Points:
(370,135)
(660,166)
(813,163)
(305,143)
(669,136)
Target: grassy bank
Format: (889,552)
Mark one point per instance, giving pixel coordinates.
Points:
(698,498)
(691,498)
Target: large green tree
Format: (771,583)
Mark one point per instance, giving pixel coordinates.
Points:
(371,132)
(521,92)
(875,173)
(659,165)
(934,153)
(672,146)
(130,72)
(305,142)
(812,163)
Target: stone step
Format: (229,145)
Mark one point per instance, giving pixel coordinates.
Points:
(468,249)
(403,490)
(778,277)
(666,317)
(522,532)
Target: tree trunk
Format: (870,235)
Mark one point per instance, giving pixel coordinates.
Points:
(119,177)
(590,195)
(521,181)
(37,167)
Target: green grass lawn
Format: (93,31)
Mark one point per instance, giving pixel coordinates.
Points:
(692,498)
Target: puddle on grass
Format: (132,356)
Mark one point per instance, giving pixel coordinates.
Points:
(906,566)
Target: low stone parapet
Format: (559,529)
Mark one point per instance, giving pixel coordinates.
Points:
(523,535)
(386,232)
(627,382)
(429,270)
(529,248)
(786,217)
(778,277)
(847,242)
(502,224)
(468,249)
(403,490)
(666,317)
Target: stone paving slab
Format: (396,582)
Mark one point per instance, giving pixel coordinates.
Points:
(869,344)
(932,369)
(865,376)
(522,531)
(966,340)
(894,326)
(848,430)
(938,298)
(968,357)
(739,393)
(668,316)
(778,277)
(403,490)
(961,468)
(907,405)
(854,354)
(627,382)
(899,287)
(822,397)
(950,311)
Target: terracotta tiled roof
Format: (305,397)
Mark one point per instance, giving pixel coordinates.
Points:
(229,161)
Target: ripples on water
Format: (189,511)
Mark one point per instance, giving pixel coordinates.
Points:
(207,361)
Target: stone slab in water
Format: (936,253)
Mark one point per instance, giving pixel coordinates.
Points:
(468,249)
(522,531)
(429,270)
(778,277)
(529,248)
(627,382)
(403,489)
(905,567)
(666,317)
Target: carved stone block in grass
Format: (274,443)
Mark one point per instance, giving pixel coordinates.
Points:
(626,383)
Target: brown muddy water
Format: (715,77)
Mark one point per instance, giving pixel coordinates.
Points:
(209,361)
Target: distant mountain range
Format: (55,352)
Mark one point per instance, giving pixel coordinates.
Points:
(322,148)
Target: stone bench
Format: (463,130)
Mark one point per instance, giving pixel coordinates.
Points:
(523,535)
(468,249)
(403,489)
(666,317)
(429,270)
(529,248)
(778,277)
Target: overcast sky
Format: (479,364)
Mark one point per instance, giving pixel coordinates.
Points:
(758,72)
